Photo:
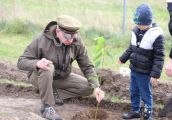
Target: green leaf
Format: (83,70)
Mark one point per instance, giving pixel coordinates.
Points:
(97,64)
(100,43)
(98,47)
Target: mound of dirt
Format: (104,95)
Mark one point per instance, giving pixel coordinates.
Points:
(18,91)
(116,85)
(111,82)
(10,72)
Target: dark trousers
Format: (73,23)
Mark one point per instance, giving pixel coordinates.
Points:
(140,90)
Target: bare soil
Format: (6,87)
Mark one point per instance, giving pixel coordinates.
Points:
(90,114)
(24,102)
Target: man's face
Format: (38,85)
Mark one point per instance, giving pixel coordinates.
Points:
(65,37)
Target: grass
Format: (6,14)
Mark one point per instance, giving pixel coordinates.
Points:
(21,20)
(12,46)
(115,99)
(24,84)
(93,13)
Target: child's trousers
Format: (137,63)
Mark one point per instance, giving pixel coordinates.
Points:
(140,90)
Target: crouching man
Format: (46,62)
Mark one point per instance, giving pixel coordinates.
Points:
(49,58)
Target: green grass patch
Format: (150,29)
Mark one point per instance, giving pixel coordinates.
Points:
(115,99)
(20,20)
(19,26)
(5,81)
(12,46)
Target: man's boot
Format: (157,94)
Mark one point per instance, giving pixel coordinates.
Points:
(49,113)
(57,98)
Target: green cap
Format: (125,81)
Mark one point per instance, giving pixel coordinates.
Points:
(68,23)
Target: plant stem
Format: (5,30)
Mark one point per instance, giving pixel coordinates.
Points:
(97,107)
(103,55)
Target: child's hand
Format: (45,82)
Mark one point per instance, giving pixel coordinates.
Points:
(153,81)
(119,62)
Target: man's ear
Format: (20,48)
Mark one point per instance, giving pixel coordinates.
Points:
(57,30)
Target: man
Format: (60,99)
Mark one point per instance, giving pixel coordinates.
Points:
(49,60)
(168,68)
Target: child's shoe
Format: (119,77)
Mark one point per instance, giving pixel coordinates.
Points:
(131,115)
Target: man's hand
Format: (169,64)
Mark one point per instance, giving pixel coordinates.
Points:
(153,81)
(99,94)
(43,63)
(168,68)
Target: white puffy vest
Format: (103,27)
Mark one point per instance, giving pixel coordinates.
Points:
(148,38)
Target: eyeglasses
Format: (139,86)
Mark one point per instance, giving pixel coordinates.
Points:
(67,35)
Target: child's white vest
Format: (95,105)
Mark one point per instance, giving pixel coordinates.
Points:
(148,38)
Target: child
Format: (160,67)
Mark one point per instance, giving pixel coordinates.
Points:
(146,54)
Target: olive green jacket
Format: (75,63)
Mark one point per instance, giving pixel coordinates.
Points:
(46,45)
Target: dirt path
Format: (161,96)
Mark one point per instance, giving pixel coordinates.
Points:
(28,109)
(17,108)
